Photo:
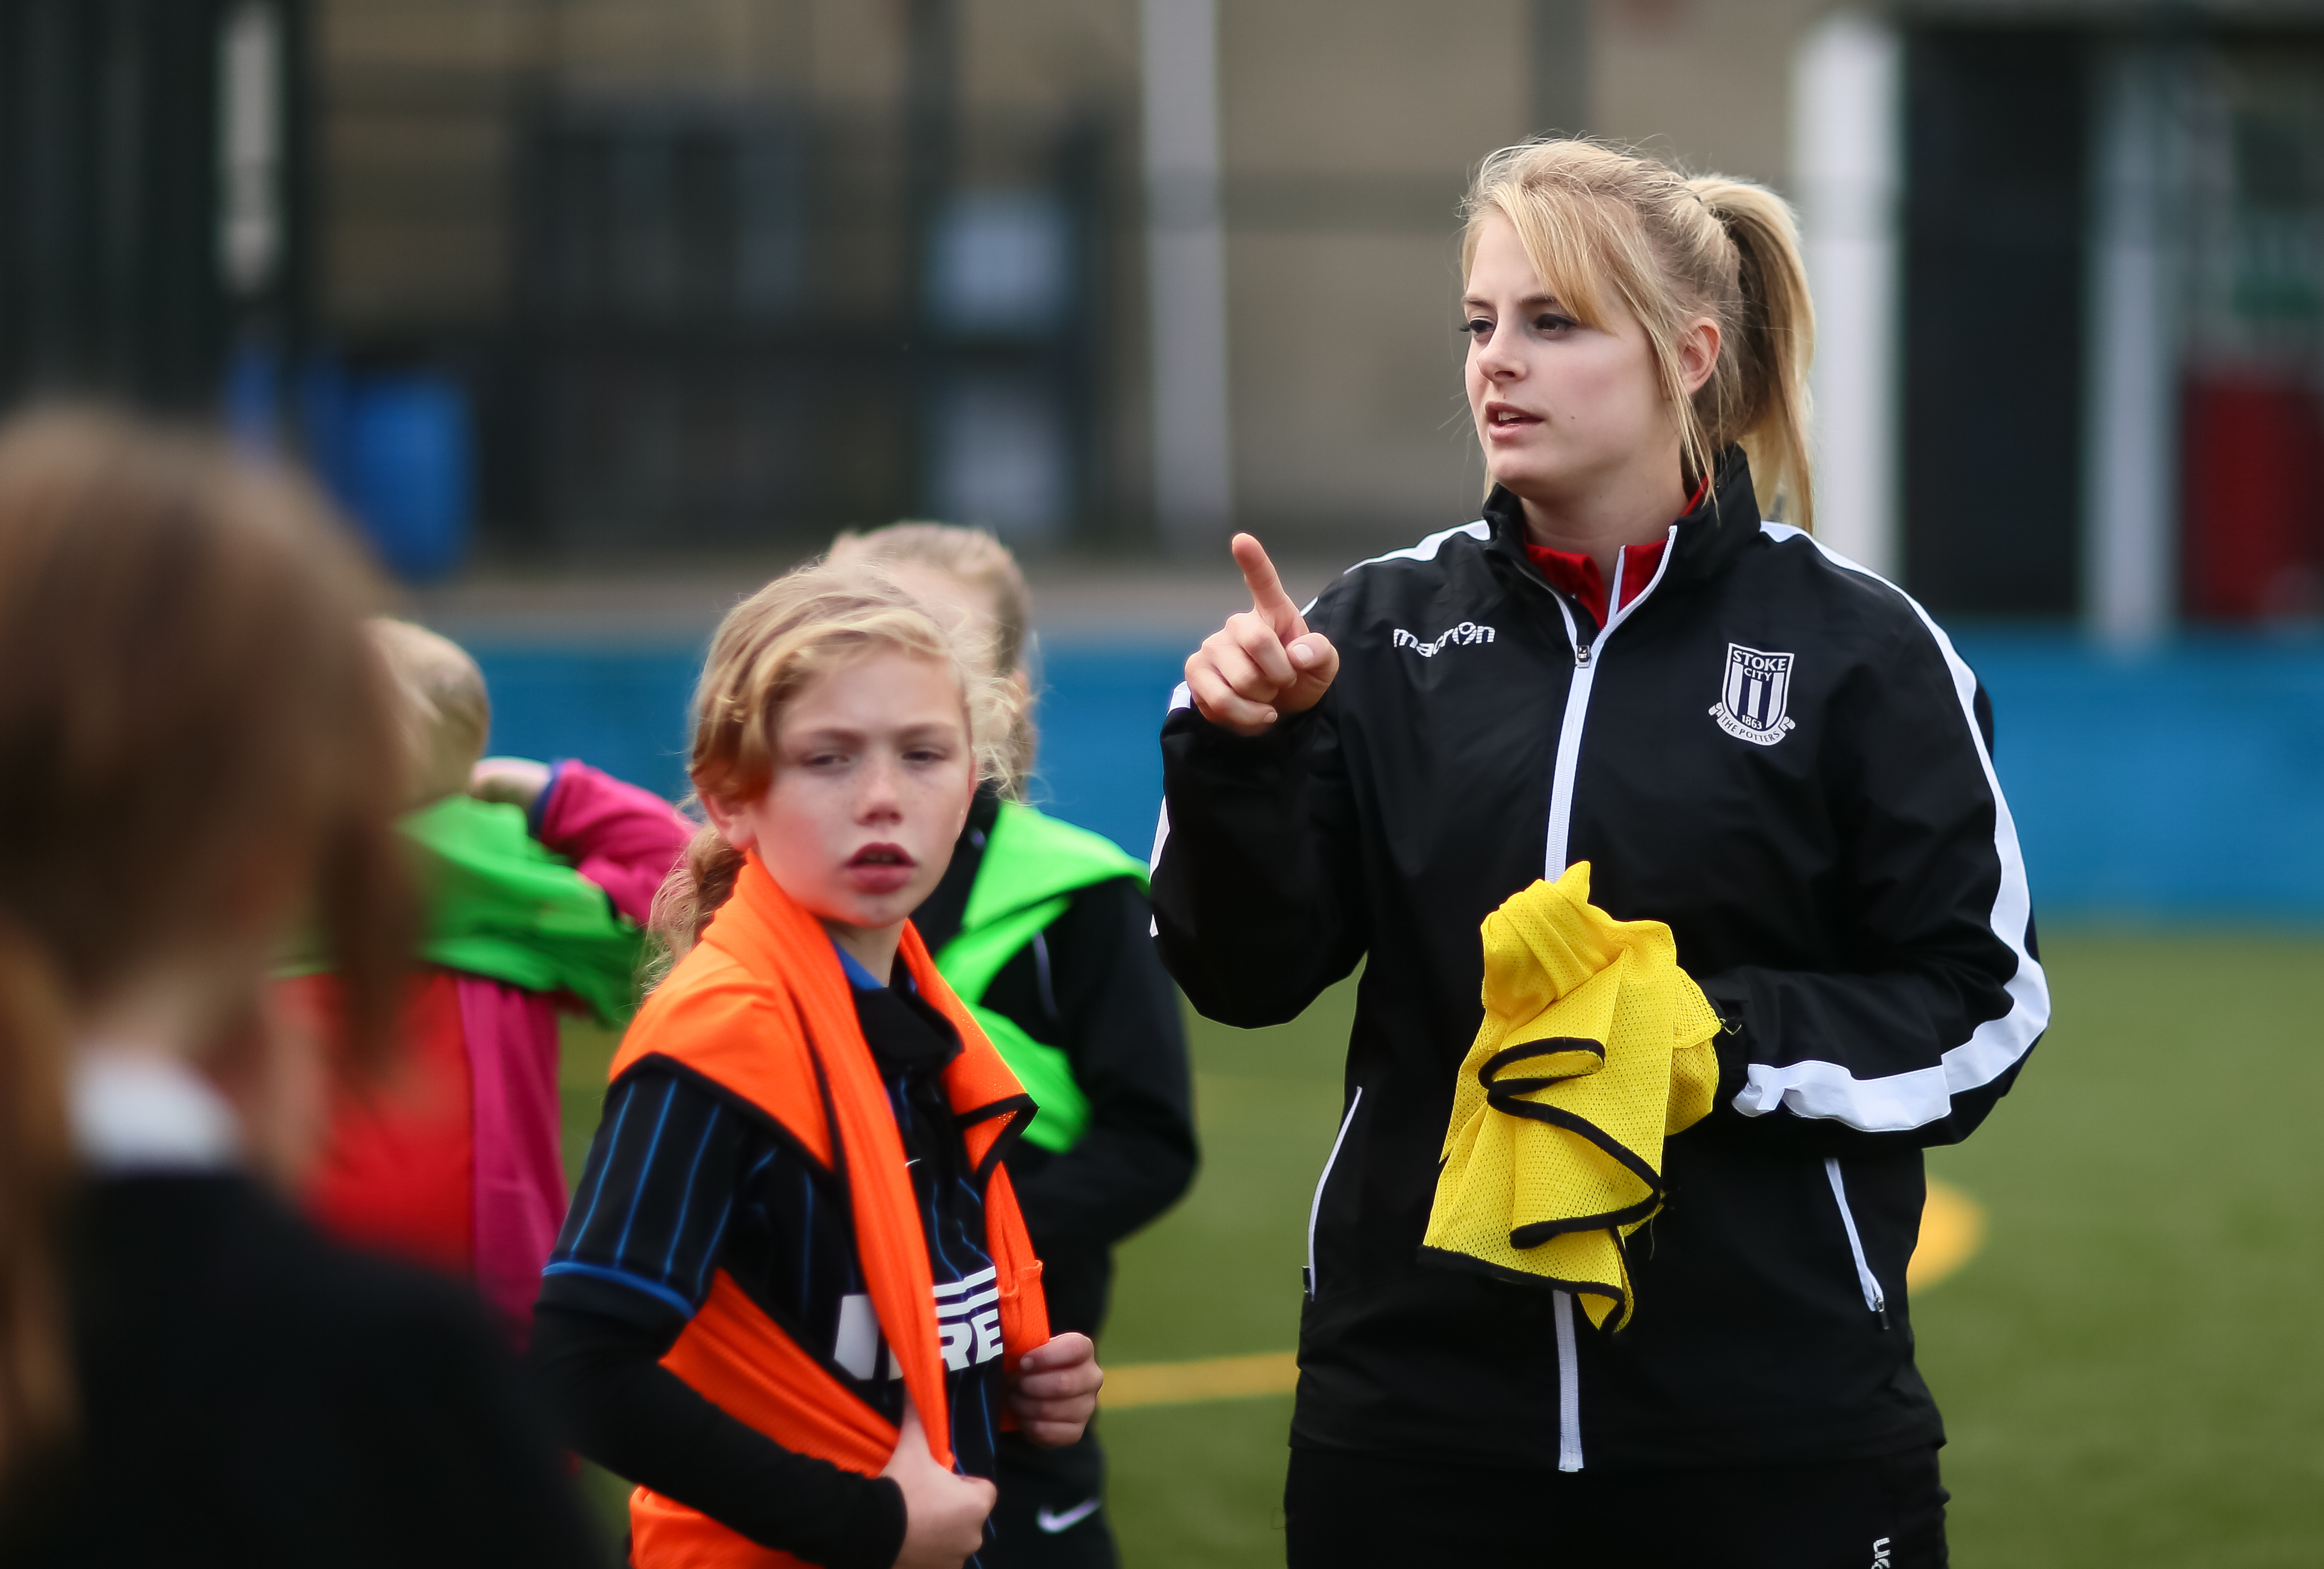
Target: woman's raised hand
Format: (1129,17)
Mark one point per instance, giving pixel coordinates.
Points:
(1264,663)
(944,1511)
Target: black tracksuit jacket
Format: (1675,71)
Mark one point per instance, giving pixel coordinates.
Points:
(1773,751)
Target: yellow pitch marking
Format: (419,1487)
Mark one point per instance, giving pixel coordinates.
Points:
(1216,1378)
(1952,1229)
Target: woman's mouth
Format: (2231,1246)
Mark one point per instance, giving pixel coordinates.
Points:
(1504,420)
(880,868)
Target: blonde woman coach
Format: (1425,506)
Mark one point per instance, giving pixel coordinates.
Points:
(1749,739)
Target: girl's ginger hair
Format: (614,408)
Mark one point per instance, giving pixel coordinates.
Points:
(976,560)
(806,624)
(193,729)
(1608,229)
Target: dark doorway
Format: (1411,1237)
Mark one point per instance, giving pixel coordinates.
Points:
(1994,154)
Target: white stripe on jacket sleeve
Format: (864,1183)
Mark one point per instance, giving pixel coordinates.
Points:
(1898,1102)
(1180,697)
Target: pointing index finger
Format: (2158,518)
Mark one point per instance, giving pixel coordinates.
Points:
(1267,598)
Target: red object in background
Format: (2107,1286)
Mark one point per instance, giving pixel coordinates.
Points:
(2255,498)
(399,1172)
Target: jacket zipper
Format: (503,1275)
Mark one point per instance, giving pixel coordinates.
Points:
(1316,1208)
(1875,1299)
(1569,1386)
(1587,658)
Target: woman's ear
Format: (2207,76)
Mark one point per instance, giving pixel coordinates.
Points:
(1698,351)
(733,822)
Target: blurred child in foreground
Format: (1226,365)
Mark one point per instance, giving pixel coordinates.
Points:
(537,881)
(195,755)
(1043,930)
(794,1299)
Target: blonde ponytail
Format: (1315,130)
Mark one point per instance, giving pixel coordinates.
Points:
(1609,227)
(1759,393)
(703,879)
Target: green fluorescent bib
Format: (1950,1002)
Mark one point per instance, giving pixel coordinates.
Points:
(499,903)
(1033,865)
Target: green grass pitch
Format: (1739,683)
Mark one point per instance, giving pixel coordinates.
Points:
(2132,1369)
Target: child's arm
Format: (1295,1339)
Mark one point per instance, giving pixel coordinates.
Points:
(621,837)
(639,1420)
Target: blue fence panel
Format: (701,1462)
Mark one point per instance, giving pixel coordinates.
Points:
(619,710)
(2187,781)
(1101,719)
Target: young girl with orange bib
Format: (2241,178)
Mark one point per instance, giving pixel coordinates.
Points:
(1045,931)
(793,1300)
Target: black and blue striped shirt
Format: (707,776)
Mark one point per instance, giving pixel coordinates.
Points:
(685,1179)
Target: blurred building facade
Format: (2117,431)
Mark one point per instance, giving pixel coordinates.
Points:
(151,193)
(721,270)
(1121,274)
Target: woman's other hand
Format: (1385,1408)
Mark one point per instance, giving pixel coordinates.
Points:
(1264,663)
(944,1511)
(1054,1391)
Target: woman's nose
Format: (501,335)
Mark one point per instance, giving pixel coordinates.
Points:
(1497,364)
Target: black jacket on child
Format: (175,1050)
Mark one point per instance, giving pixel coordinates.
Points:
(252,1394)
(1095,986)
(1090,982)
(1769,748)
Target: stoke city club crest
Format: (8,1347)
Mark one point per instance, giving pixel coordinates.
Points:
(1752,694)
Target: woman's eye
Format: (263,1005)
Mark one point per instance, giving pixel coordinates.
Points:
(1477,327)
(1551,322)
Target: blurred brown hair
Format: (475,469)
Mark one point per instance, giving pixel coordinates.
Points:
(193,733)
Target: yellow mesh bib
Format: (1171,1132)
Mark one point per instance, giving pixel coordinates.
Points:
(1595,1046)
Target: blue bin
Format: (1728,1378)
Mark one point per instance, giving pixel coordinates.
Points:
(405,468)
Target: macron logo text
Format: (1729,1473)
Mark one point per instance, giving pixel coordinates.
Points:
(1468,634)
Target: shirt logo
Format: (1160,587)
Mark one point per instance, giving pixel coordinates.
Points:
(969,1320)
(1051,1521)
(1752,697)
(1468,634)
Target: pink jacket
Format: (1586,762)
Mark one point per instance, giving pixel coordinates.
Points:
(624,840)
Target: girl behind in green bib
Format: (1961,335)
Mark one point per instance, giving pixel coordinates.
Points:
(1044,930)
